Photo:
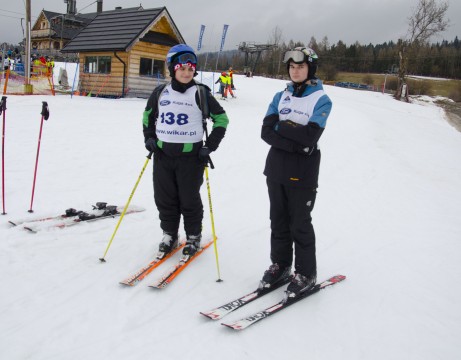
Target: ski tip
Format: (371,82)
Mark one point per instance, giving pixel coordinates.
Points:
(156,286)
(209,316)
(338,278)
(12,223)
(232,326)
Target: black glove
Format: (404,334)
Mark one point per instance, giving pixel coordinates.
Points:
(204,154)
(151,145)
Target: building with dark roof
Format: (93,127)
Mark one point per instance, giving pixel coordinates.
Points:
(122,51)
(52,30)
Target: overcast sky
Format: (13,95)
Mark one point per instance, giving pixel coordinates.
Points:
(365,21)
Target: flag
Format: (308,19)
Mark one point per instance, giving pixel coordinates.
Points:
(224,32)
(202,30)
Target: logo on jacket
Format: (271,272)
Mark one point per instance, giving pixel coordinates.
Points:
(165,102)
(285,111)
(286,100)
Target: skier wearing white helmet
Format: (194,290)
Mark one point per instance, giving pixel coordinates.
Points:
(293,124)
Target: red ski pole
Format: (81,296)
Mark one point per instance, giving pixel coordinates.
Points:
(3,110)
(45,115)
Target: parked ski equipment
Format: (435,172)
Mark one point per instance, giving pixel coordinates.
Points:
(71,212)
(3,111)
(110,211)
(45,116)
(283,304)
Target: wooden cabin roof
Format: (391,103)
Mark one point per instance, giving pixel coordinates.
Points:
(119,29)
(72,24)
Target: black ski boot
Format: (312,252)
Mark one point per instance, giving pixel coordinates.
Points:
(169,242)
(192,245)
(274,274)
(300,284)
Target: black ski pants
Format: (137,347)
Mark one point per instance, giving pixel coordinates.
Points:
(177,182)
(291,223)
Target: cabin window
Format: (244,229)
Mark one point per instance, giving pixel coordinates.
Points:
(97,64)
(152,67)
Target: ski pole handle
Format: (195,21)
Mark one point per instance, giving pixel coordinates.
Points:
(45,110)
(3,105)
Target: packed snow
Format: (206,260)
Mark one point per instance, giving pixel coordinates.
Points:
(386,216)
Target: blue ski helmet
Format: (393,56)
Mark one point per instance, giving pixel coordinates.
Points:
(301,55)
(180,54)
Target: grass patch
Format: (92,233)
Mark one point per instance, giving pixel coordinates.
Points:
(432,87)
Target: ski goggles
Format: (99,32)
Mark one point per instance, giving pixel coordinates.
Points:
(186,58)
(294,55)
(188,64)
(299,55)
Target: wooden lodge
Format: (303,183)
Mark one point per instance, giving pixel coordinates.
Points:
(122,52)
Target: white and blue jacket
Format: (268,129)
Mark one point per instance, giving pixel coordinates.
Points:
(292,126)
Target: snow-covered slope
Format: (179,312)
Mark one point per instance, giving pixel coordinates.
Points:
(386,216)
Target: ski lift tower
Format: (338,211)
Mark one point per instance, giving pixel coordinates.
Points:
(253,54)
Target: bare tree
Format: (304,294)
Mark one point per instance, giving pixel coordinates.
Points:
(427,20)
(275,39)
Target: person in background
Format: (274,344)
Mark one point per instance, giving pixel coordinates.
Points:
(6,63)
(49,66)
(293,124)
(222,84)
(173,128)
(228,85)
(231,75)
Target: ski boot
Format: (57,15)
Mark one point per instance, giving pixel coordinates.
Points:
(300,284)
(273,275)
(192,245)
(168,243)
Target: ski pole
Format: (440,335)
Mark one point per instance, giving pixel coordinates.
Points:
(126,206)
(3,110)
(45,115)
(212,224)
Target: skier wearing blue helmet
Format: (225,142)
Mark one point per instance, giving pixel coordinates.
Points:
(180,54)
(174,128)
(293,124)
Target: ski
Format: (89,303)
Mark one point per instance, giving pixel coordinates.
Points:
(108,212)
(146,270)
(283,304)
(185,260)
(71,212)
(236,304)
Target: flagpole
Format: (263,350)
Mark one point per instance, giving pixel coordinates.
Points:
(223,38)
